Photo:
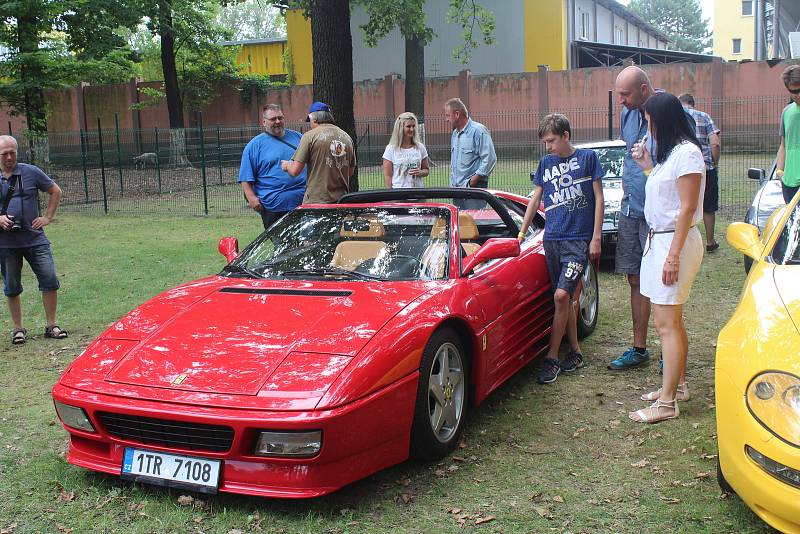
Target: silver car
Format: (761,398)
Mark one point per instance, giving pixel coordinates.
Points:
(767,199)
(612,155)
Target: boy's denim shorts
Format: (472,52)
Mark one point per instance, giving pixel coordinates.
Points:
(40,258)
(566,261)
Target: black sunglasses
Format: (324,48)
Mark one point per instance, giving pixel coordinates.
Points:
(794,91)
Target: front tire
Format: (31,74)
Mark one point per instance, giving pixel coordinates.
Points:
(441,406)
(588,301)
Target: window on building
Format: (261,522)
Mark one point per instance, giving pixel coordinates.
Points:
(747,8)
(619,35)
(737,46)
(584,25)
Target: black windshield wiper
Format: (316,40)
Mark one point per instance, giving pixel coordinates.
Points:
(244,270)
(332,271)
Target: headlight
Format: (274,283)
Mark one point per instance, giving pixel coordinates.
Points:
(289,444)
(774,400)
(74,417)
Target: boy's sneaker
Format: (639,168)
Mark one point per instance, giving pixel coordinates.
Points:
(573,360)
(549,371)
(630,358)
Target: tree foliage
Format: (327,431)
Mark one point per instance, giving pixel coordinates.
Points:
(53,45)
(252,19)
(681,20)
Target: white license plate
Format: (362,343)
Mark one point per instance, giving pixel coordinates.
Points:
(170,469)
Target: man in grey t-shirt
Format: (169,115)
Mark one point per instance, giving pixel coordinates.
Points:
(22,236)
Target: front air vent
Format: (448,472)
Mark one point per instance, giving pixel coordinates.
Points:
(166,433)
(294,292)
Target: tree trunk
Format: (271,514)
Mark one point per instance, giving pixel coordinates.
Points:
(167,33)
(415,77)
(30,69)
(333,64)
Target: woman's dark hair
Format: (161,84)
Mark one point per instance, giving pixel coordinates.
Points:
(670,124)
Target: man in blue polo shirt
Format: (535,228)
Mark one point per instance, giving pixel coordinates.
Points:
(633,88)
(270,190)
(22,236)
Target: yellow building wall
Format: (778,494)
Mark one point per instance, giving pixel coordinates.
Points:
(545,34)
(298,32)
(262,58)
(729,24)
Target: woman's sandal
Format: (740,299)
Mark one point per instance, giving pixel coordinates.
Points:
(55,332)
(19,336)
(654,413)
(681,394)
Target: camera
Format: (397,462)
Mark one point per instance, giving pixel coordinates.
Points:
(16,226)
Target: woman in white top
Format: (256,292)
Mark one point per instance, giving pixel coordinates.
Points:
(674,250)
(405,160)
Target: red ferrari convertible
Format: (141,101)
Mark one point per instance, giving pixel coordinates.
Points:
(343,340)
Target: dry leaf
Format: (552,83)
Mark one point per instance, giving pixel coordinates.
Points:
(702,476)
(452,468)
(458,459)
(439,473)
(454,511)
(558,498)
(407,497)
(66,496)
(641,463)
(9,529)
(236,531)
(670,500)
(482,520)
(543,512)
(185,500)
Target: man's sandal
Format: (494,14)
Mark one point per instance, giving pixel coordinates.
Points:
(681,394)
(19,336)
(655,412)
(55,332)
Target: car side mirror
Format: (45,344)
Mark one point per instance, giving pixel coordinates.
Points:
(229,247)
(744,238)
(756,174)
(495,248)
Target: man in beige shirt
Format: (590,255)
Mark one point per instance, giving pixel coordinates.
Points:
(328,152)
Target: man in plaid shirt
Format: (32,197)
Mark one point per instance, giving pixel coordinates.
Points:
(708,135)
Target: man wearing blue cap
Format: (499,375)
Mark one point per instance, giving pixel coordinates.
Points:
(328,152)
(269,190)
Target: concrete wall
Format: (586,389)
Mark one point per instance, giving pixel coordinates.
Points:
(584,89)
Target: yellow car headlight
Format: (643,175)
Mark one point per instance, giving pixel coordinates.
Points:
(773,398)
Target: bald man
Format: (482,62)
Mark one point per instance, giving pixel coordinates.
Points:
(22,236)
(633,88)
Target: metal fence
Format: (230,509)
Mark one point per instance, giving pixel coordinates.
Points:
(109,170)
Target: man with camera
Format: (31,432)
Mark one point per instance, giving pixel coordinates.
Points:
(22,236)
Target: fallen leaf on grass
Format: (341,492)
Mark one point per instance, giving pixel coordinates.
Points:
(9,529)
(454,511)
(703,476)
(407,497)
(185,500)
(64,529)
(558,498)
(236,531)
(452,468)
(543,512)
(66,496)
(708,456)
(670,500)
(403,481)
(439,473)
(481,520)
(641,463)
(593,502)
(458,459)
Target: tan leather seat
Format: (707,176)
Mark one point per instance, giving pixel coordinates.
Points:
(468,233)
(434,259)
(360,242)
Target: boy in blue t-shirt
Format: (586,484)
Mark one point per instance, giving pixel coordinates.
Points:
(570,182)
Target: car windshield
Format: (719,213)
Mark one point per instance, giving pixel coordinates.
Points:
(787,247)
(361,244)
(611,158)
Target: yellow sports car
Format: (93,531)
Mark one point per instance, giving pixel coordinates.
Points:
(758,374)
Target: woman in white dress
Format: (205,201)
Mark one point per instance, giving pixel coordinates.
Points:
(405,160)
(674,250)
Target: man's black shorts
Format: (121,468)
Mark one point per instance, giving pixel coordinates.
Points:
(711,198)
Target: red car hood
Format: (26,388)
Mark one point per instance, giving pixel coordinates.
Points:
(233,339)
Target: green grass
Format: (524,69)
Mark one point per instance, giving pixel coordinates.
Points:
(560,458)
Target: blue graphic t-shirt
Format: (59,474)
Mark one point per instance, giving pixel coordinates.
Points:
(568,195)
